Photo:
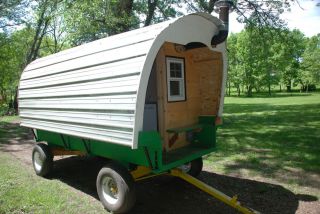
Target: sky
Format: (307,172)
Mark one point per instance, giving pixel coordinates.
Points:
(305,17)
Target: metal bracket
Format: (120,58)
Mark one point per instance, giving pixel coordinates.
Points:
(34,134)
(146,151)
(87,145)
(65,143)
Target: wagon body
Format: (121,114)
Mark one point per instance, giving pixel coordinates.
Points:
(111,97)
(148,101)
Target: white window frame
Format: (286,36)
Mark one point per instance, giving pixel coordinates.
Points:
(182,95)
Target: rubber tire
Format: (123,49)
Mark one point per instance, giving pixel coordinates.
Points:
(46,156)
(125,185)
(196,167)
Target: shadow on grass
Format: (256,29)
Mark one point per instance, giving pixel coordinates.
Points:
(11,134)
(166,194)
(272,139)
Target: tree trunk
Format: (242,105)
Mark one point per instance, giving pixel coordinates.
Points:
(3,96)
(125,7)
(239,90)
(249,91)
(32,52)
(151,8)
(289,86)
(280,88)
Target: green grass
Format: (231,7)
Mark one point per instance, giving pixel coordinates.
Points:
(275,138)
(8,119)
(23,192)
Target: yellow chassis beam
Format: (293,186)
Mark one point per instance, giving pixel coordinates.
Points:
(144,172)
(61,152)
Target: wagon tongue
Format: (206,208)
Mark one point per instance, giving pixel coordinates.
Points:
(233,202)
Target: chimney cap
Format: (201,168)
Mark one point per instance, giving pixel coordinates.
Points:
(223,3)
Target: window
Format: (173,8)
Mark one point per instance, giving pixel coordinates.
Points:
(175,79)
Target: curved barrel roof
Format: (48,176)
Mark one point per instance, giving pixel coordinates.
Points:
(97,90)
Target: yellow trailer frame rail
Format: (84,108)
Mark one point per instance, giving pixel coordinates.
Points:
(143,173)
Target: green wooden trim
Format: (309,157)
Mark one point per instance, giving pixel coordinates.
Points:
(187,158)
(207,119)
(123,154)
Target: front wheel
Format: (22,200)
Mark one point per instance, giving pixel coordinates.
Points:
(116,188)
(42,159)
(193,168)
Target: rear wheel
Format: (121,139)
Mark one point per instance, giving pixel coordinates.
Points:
(42,159)
(193,168)
(116,188)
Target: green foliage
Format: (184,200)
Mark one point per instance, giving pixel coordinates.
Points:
(252,12)
(156,11)
(49,26)
(292,49)
(249,59)
(13,13)
(91,20)
(309,72)
(262,57)
(13,52)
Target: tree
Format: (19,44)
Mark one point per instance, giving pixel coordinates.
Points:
(249,61)
(257,13)
(154,11)
(13,13)
(56,39)
(234,71)
(91,20)
(293,48)
(44,15)
(309,72)
(13,51)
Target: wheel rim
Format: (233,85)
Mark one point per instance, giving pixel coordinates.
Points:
(37,160)
(109,190)
(185,167)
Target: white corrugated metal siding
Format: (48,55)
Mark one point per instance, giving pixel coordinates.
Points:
(97,90)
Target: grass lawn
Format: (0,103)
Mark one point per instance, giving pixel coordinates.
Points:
(273,139)
(21,191)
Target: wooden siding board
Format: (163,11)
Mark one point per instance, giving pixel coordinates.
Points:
(203,86)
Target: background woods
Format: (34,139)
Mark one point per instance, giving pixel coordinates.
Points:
(264,55)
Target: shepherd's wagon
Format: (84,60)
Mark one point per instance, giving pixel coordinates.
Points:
(149,100)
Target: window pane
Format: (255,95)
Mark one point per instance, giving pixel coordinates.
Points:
(175,70)
(172,73)
(178,66)
(178,73)
(174,88)
(172,66)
